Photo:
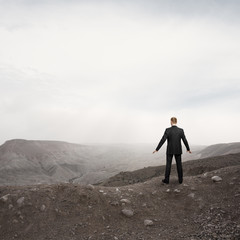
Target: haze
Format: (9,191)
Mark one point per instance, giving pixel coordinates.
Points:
(116,71)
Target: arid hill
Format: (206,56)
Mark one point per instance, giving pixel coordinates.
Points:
(200,208)
(190,168)
(220,149)
(24,162)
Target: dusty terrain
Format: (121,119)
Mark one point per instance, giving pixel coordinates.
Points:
(197,209)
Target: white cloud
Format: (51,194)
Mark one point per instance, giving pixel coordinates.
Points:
(90,72)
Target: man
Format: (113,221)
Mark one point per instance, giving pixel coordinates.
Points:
(173,135)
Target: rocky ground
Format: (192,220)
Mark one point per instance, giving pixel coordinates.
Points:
(200,208)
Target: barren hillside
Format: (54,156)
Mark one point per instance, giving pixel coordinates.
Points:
(200,208)
(24,162)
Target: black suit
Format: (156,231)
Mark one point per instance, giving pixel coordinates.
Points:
(173,135)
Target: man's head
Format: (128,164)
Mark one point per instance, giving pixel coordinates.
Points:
(173,121)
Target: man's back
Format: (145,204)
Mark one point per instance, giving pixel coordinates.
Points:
(173,135)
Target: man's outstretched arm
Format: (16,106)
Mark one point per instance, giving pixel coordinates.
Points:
(186,143)
(162,141)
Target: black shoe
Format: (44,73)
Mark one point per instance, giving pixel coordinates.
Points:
(180,181)
(165,181)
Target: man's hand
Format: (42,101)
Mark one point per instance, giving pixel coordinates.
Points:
(154,151)
(189,151)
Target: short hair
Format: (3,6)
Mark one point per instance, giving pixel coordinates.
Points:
(174,120)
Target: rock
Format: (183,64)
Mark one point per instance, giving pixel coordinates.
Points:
(191,195)
(205,174)
(114,203)
(10,206)
(101,191)
(168,190)
(154,192)
(127,212)
(4,198)
(20,201)
(144,204)
(216,179)
(115,238)
(176,190)
(148,222)
(125,201)
(90,187)
(43,207)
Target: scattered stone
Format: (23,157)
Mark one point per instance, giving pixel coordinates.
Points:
(10,206)
(127,212)
(20,201)
(168,190)
(154,192)
(115,203)
(216,179)
(144,204)
(101,191)
(148,222)
(176,190)
(205,174)
(125,201)
(193,188)
(117,190)
(15,221)
(115,238)
(90,187)
(43,207)
(5,198)
(191,195)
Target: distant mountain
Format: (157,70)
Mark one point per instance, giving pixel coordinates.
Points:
(220,149)
(32,162)
(24,162)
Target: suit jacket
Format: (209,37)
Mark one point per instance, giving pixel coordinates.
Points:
(173,135)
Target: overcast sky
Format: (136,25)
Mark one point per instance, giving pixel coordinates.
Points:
(117,71)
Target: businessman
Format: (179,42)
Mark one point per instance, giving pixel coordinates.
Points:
(173,135)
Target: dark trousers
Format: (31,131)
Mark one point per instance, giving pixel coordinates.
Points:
(178,158)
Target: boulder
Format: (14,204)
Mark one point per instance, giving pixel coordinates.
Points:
(20,201)
(127,212)
(148,222)
(90,187)
(4,198)
(216,179)
(125,201)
